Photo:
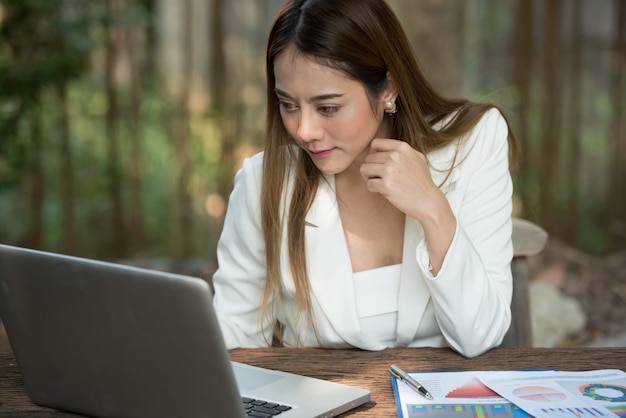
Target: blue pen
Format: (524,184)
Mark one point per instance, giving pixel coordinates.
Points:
(398,373)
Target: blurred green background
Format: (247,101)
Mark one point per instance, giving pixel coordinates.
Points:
(123,122)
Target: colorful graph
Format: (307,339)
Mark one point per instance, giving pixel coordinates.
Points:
(473,389)
(605,393)
(573,412)
(539,394)
(466,411)
(620,411)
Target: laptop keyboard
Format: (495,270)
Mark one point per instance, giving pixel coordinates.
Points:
(258,408)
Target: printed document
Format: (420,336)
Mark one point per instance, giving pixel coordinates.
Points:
(597,393)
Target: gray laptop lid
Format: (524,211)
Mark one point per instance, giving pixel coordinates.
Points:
(109,340)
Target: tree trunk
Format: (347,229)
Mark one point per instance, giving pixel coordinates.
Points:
(175,68)
(574,111)
(118,244)
(616,198)
(221,104)
(36,180)
(68,196)
(136,227)
(522,77)
(181,214)
(552,101)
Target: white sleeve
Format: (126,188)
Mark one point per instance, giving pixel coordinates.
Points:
(471,294)
(240,278)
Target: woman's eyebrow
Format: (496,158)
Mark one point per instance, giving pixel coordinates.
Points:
(318,98)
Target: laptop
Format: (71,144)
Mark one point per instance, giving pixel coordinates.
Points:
(108,340)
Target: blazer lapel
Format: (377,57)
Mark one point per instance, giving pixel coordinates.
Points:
(330,269)
(414,293)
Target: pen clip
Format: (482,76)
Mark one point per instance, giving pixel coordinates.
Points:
(413,384)
(394,373)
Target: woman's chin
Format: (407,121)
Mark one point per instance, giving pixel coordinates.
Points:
(329,169)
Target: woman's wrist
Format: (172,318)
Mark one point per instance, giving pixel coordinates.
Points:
(439,225)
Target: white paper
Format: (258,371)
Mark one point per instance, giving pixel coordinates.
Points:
(598,393)
(455,390)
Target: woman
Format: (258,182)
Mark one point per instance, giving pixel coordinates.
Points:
(379,213)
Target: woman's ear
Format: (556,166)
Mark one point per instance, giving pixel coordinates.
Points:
(391,92)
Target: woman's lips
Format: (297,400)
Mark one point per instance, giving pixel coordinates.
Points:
(322,153)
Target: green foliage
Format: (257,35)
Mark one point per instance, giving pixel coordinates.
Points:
(43,44)
(52,47)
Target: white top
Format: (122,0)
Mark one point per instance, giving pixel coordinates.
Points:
(467,306)
(376,296)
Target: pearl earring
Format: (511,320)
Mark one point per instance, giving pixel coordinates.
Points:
(390,107)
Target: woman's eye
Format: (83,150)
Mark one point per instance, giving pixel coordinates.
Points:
(287,106)
(328,110)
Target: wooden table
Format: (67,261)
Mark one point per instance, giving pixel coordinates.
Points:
(359,368)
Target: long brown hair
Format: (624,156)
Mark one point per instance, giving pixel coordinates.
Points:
(364,39)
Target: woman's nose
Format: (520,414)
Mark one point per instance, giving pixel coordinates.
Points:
(308,127)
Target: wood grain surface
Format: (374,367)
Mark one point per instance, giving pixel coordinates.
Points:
(354,367)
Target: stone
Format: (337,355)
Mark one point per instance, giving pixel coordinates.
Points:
(554,316)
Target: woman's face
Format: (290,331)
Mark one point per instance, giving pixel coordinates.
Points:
(326,113)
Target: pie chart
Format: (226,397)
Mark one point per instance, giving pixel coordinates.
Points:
(539,394)
(606,393)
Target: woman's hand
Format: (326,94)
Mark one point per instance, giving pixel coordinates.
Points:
(401,174)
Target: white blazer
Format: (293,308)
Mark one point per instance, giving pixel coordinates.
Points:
(466,306)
